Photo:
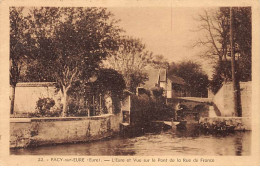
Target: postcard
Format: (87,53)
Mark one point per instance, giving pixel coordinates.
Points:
(129,83)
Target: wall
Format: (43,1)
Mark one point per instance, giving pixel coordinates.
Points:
(27,94)
(169,88)
(225,102)
(28,132)
(164,86)
(218,99)
(246,96)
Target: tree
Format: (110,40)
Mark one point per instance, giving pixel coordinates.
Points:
(235,81)
(109,80)
(131,60)
(19,51)
(216,28)
(159,62)
(70,44)
(243,42)
(196,80)
(91,95)
(109,84)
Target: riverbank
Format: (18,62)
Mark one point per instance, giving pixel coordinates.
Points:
(33,132)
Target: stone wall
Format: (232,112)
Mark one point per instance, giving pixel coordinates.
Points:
(225,102)
(27,94)
(28,132)
(246,98)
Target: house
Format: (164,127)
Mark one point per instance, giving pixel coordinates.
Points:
(176,87)
(173,86)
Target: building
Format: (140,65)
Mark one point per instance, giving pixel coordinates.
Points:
(173,86)
(176,87)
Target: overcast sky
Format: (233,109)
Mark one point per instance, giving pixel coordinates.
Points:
(164,30)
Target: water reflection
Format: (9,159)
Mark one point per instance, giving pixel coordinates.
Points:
(169,142)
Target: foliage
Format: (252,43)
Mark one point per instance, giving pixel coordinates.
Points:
(136,79)
(243,42)
(44,105)
(108,83)
(71,50)
(146,109)
(216,28)
(69,44)
(157,92)
(130,60)
(159,62)
(109,80)
(19,50)
(196,80)
(76,107)
(18,43)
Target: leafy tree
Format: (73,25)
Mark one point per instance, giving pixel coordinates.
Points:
(130,60)
(216,26)
(19,50)
(111,84)
(157,92)
(159,62)
(196,80)
(243,42)
(70,44)
(109,80)
(43,105)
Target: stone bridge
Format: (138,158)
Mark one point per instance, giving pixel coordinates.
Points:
(192,104)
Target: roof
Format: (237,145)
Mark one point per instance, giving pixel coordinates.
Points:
(153,77)
(177,80)
(35,84)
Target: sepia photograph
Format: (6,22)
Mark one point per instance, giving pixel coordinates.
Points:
(81,76)
(130,81)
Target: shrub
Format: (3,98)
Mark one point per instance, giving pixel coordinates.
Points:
(44,105)
(145,109)
(76,107)
(157,92)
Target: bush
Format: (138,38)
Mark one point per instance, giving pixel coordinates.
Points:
(146,109)
(76,107)
(44,105)
(157,92)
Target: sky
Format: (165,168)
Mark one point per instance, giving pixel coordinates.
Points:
(164,30)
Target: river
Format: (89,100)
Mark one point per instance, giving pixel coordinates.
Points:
(164,143)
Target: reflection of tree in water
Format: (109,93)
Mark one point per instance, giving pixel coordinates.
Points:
(193,131)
